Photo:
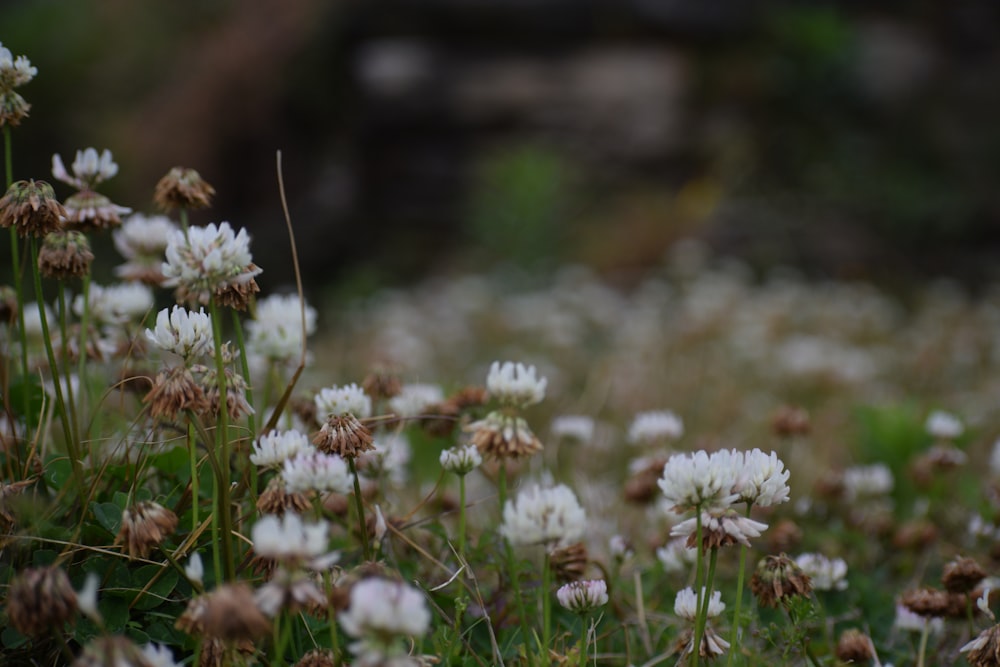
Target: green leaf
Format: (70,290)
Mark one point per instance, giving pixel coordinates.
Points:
(43,557)
(159,592)
(109,515)
(114,611)
(30,389)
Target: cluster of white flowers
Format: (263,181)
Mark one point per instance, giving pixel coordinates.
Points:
(347,400)
(185,333)
(867,481)
(288,540)
(116,304)
(381,612)
(573,427)
(943,425)
(89,168)
(676,556)
(316,471)
(414,399)
(583,596)
(14,72)
(515,384)
(203,260)
(276,330)
(761,479)
(142,240)
(826,574)
(544,516)
(686,604)
(655,426)
(461,460)
(700,480)
(274,448)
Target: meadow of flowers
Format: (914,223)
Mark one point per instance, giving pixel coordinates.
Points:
(694,466)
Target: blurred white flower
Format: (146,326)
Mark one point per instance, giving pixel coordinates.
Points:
(867,481)
(461,460)
(515,384)
(676,556)
(288,540)
(346,400)
(544,516)
(943,425)
(86,597)
(158,655)
(414,399)
(33,319)
(380,614)
(389,458)
(183,332)
(195,569)
(826,574)
(274,448)
(655,426)
(316,471)
(116,304)
(89,168)
(142,241)
(276,330)
(583,596)
(686,604)
(573,427)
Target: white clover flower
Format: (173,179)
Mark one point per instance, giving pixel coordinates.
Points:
(655,426)
(381,609)
(89,168)
(274,448)
(515,384)
(288,540)
(347,400)
(826,574)
(86,597)
(195,569)
(686,604)
(676,556)
(544,516)
(913,622)
(203,260)
(867,481)
(14,72)
(620,548)
(700,480)
(943,425)
(276,330)
(158,655)
(389,458)
(414,399)
(583,596)
(461,459)
(144,236)
(573,427)
(316,471)
(183,332)
(762,479)
(720,528)
(116,304)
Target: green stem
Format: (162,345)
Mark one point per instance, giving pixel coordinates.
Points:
(64,344)
(223,509)
(699,578)
(735,633)
(195,486)
(709,581)
(461,518)
(583,641)
(515,577)
(359,503)
(245,367)
(546,602)
(924,634)
(81,371)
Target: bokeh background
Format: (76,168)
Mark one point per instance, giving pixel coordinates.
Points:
(427,136)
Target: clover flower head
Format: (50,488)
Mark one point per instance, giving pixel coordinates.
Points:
(676,556)
(827,574)
(686,604)
(700,480)
(943,425)
(867,481)
(290,541)
(515,383)
(89,168)
(550,516)
(201,261)
(316,471)
(183,332)
(380,614)
(461,460)
(414,399)
(274,448)
(573,427)
(346,400)
(388,459)
(719,528)
(655,426)
(762,479)
(583,596)
(144,237)
(14,72)
(276,330)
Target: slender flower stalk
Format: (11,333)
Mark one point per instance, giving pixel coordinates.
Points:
(740,577)
(223,510)
(698,587)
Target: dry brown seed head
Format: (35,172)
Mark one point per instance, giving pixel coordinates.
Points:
(183,188)
(569,563)
(31,208)
(641,487)
(344,436)
(776,579)
(231,614)
(381,384)
(855,646)
(789,421)
(65,254)
(145,526)
(13,108)
(962,575)
(40,600)
(174,391)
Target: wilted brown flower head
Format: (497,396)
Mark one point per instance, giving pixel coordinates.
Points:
(915,534)
(778,578)
(112,650)
(382,384)
(31,208)
(237,295)
(641,487)
(569,563)
(789,421)
(984,650)
(345,436)
(935,603)
(183,188)
(962,575)
(13,108)
(39,600)
(784,536)
(276,500)
(231,614)
(144,526)
(712,645)
(317,658)
(174,391)
(91,211)
(65,254)
(503,436)
(855,646)
(236,393)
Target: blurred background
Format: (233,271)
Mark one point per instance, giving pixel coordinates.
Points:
(430,136)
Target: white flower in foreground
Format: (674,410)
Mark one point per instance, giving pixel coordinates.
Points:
(380,614)
(515,384)
(414,399)
(700,480)
(14,72)
(116,304)
(943,425)
(89,168)
(544,516)
(762,479)
(195,569)
(276,330)
(276,447)
(719,529)
(583,596)
(686,604)
(203,260)
(826,574)
(655,426)
(184,332)
(347,400)
(158,655)
(461,460)
(316,471)
(867,481)
(573,427)
(288,540)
